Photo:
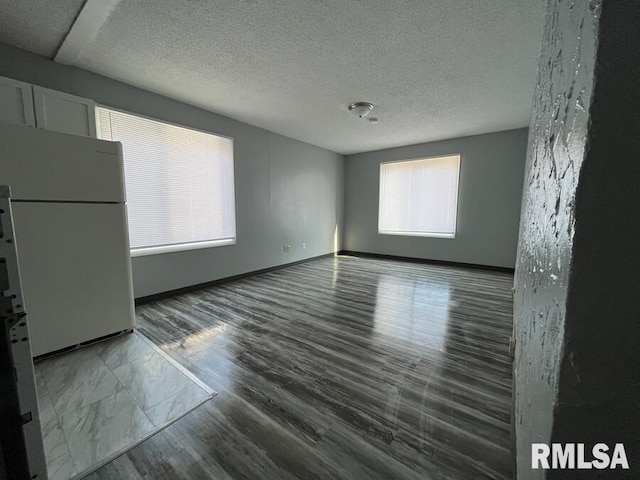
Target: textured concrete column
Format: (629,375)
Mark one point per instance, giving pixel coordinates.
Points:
(577,299)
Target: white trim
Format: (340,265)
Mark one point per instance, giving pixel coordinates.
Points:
(161,120)
(141,252)
(417,159)
(187,244)
(418,234)
(84,30)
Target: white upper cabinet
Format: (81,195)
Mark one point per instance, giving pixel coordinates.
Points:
(16,102)
(25,104)
(64,113)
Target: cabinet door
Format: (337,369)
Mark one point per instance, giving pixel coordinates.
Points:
(16,102)
(64,113)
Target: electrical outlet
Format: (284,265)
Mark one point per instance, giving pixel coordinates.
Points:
(287,248)
(304,246)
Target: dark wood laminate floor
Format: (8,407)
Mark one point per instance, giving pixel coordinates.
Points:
(337,368)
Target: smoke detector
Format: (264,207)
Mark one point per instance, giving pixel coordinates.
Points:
(361,109)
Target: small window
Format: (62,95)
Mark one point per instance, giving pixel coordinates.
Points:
(419,197)
(179,183)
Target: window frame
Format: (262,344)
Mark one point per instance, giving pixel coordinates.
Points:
(175,247)
(449,236)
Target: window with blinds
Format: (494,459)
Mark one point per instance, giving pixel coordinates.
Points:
(419,197)
(179,183)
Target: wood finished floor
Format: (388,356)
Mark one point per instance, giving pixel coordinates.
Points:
(344,368)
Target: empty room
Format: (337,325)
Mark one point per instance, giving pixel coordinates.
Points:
(304,239)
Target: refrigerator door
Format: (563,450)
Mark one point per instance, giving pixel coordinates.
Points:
(76,271)
(51,166)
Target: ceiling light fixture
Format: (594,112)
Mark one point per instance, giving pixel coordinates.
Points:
(361,109)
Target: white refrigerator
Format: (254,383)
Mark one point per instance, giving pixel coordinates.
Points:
(70,222)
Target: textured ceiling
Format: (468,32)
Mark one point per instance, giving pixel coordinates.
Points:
(37,26)
(434,69)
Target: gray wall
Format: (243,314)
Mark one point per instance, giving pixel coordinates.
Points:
(491,176)
(287,192)
(577,300)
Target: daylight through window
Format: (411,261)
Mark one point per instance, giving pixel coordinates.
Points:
(179,183)
(419,197)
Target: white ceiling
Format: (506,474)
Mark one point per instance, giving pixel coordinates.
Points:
(37,26)
(434,69)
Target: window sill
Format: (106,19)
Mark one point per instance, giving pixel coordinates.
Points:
(419,234)
(142,252)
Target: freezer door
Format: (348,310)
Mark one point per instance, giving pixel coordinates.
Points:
(76,271)
(51,166)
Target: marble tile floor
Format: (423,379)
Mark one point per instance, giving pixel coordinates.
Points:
(97,401)
(338,368)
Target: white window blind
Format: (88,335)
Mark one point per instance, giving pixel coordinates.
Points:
(419,197)
(179,183)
